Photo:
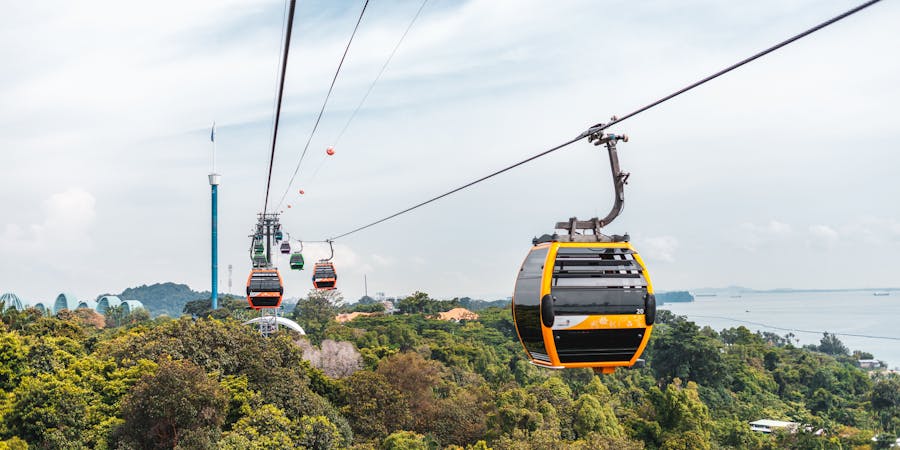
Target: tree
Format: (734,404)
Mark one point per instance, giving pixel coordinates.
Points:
(115,316)
(374,407)
(404,440)
(415,303)
(831,345)
(318,433)
(49,411)
(178,404)
(314,312)
(12,360)
(265,427)
(416,378)
(885,400)
(336,359)
(592,416)
(682,350)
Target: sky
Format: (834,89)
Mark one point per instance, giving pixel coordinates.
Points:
(782,174)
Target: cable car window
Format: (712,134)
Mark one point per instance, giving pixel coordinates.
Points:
(527,301)
(588,301)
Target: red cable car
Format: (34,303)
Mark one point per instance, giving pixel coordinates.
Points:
(265,288)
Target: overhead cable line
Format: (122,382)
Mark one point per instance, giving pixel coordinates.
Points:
(380,73)
(384,66)
(798,330)
(275,77)
(600,127)
(284,60)
(324,104)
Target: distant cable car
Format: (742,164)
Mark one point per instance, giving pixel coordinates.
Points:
(297,261)
(585,299)
(264,288)
(301,192)
(285,248)
(324,276)
(260,261)
(329,151)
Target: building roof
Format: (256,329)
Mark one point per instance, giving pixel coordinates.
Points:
(457,314)
(132,305)
(774,423)
(346,317)
(13,301)
(107,301)
(65,300)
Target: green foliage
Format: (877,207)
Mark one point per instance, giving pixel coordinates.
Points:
(831,345)
(163,298)
(374,407)
(404,440)
(316,312)
(682,350)
(423,383)
(178,405)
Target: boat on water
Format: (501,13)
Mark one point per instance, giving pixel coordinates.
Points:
(705,295)
(881,294)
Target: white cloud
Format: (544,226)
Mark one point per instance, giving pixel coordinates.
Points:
(823,236)
(874,230)
(68,217)
(752,237)
(659,248)
(117,99)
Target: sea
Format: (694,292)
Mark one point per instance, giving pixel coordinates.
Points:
(861,320)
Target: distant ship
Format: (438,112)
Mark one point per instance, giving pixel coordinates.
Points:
(705,295)
(881,294)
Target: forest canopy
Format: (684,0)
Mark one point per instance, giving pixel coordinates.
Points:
(409,381)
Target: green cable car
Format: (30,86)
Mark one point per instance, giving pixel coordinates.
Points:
(297,261)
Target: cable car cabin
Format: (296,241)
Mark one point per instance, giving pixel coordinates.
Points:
(297,261)
(285,248)
(260,261)
(324,276)
(584,304)
(264,288)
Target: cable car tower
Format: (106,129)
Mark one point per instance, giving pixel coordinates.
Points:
(265,288)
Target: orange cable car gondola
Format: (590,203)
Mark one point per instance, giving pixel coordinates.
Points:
(265,288)
(585,299)
(324,276)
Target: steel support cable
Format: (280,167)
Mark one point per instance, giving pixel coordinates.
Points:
(380,73)
(600,127)
(284,60)
(324,104)
(366,96)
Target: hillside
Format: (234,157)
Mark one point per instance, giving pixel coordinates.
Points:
(408,382)
(164,298)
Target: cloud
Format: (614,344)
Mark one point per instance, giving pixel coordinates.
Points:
(823,236)
(752,237)
(660,248)
(874,230)
(68,218)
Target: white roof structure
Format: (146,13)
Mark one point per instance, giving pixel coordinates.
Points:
(769,425)
(280,321)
